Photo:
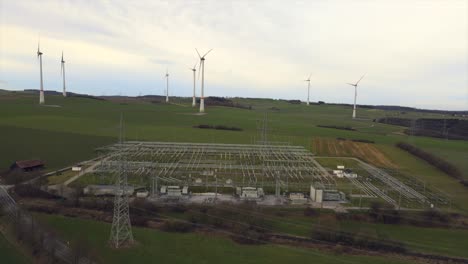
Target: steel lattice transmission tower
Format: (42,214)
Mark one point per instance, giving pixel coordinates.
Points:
(121,231)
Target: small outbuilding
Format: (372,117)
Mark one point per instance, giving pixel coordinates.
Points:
(174,191)
(111,190)
(246,193)
(297,198)
(27,165)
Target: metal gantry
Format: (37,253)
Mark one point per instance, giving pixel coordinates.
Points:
(228,165)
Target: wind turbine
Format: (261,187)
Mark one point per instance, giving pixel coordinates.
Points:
(202,67)
(63,75)
(167,86)
(41,92)
(194,69)
(308,88)
(355,94)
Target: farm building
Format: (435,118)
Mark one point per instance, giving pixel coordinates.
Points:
(27,165)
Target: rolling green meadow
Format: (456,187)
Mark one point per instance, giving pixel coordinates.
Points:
(9,253)
(166,247)
(68,130)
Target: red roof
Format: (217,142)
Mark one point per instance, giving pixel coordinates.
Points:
(24,164)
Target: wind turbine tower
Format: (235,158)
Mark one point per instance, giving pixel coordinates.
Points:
(41,92)
(202,67)
(194,69)
(63,75)
(167,86)
(355,94)
(308,88)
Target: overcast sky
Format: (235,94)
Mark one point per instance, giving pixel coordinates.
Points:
(413,51)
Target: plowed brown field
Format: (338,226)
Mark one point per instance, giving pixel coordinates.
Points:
(347,148)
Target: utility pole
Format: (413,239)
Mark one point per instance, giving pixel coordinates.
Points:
(216,189)
(277,186)
(121,230)
(399,201)
(360,199)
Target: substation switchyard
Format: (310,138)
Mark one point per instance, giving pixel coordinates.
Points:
(274,169)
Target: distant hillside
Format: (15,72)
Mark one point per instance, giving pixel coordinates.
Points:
(69,94)
(431,127)
(225,101)
(408,109)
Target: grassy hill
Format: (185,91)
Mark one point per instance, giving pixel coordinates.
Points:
(10,254)
(67,130)
(166,247)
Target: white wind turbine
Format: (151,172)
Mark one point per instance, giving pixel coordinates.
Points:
(167,86)
(194,69)
(41,92)
(63,75)
(308,88)
(202,67)
(355,94)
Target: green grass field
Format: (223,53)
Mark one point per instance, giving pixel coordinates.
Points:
(166,247)
(65,135)
(444,241)
(10,254)
(68,134)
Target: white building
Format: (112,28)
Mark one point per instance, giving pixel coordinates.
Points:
(297,198)
(349,174)
(142,194)
(249,192)
(99,190)
(174,191)
(316,195)
(338,173)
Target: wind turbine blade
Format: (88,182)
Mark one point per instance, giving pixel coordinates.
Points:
(198,53)
(310,75)
(195,66)
(360,79)
(207,53)
(352,84)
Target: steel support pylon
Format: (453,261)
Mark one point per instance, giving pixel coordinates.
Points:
(121,231)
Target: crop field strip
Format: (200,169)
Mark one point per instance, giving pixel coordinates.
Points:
(364,151)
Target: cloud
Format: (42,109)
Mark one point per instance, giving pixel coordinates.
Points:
(261,48)
(160,61)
